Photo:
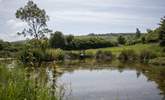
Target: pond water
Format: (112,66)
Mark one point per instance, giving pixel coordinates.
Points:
(110,84)
(103,81)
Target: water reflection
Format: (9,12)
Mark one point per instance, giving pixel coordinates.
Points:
(93,80)
(114,81)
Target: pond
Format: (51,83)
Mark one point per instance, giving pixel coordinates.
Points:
(105,80)
(108,84)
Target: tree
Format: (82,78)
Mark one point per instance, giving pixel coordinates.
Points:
(143,39)
(121,40)
(162,31)
(35,18)
(149,31)
(57,40)
(69,39)
(35,50)
(138,33)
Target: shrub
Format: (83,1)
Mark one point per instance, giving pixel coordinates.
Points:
(104,55)
(145,55)
(55,54)
(72,55)
(121,40)
(33,57)
(127,55)
(152,36)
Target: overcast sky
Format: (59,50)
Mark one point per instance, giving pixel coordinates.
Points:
(81,17)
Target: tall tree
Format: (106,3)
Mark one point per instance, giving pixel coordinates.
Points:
(162,31)
(138,33)
(35,18)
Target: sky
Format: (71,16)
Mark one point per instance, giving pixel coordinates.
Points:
(81,17)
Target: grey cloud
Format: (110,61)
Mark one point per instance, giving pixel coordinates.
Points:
(85,16)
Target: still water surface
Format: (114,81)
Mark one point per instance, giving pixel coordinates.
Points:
(109,84)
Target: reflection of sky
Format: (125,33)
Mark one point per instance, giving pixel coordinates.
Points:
(86,16)
(106,84)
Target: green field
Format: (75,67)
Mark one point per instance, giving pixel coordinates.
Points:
(155,48)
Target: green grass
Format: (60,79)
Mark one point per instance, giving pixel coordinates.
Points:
(15,86)
(155,48)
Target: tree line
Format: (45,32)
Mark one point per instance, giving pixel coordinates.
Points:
(70,42)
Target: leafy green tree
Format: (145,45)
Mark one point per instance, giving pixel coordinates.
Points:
(69,39)
(35,18)
(121,40)
(34,51)
(138,33)
(57,40)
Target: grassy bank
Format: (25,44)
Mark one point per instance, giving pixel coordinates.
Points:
(15,85)
(137,48)
(140,52)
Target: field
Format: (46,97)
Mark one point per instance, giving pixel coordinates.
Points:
(155,48)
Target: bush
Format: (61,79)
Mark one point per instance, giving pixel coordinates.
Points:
(146,55)
(55,54)
(72,55)
(127,55)
(121,40)
(104,55)
(152,36)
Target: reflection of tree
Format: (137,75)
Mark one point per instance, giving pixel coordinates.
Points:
(156,74)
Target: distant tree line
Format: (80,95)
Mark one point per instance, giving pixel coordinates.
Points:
(8,49)
(58,40)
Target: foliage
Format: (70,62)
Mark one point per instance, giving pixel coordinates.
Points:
(162,32)
(138,33)
(57,40)
(146,55)
(162,42)
(35,18)
(143,39)
(104,55)
(121,40)
(158,61)
(56,54)
(69,39)
(128,55)
(162,29)
(34,52)
(8,50)
(72,55)
(152,36)
(14,86)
